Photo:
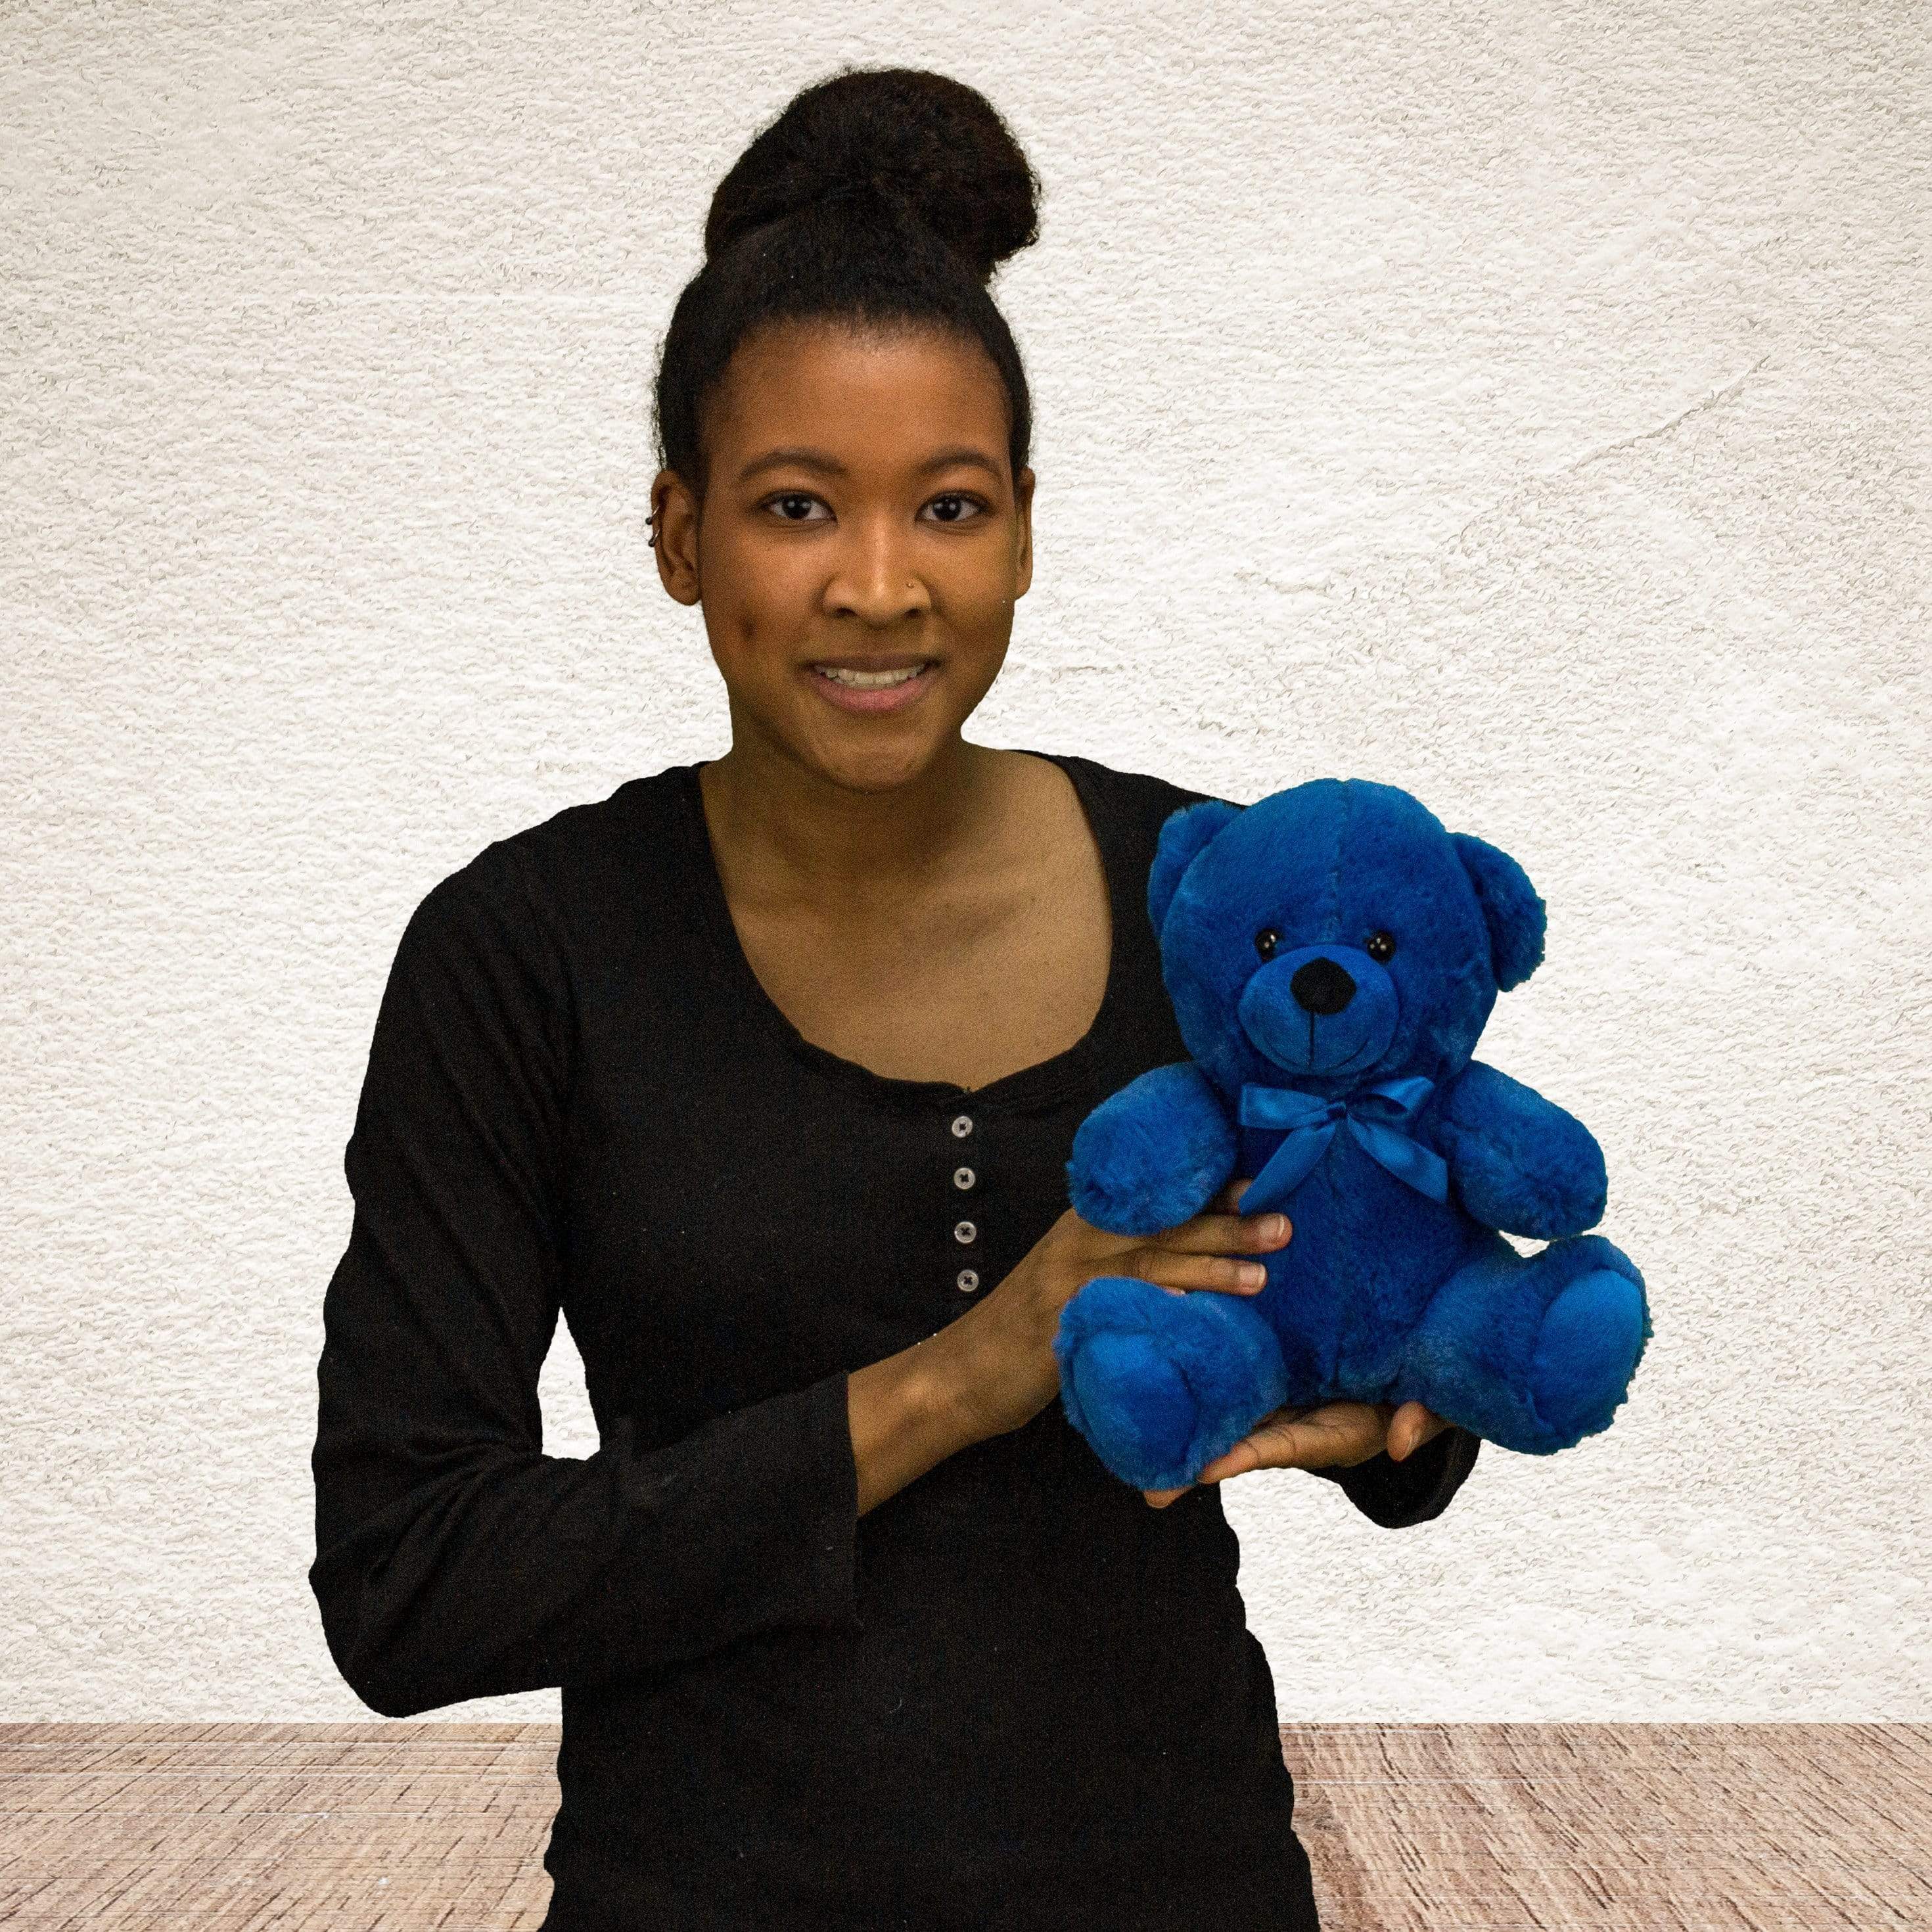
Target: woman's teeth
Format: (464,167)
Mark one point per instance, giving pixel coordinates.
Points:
(869,680)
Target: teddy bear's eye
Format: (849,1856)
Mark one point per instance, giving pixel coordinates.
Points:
(1380,947)
(1266,941)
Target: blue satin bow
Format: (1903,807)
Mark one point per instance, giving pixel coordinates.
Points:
(1377,1117)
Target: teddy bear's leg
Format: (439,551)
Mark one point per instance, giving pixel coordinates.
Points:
(1532,1352)
(1159,1384)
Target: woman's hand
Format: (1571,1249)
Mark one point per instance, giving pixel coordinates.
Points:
(1338,1434)
(1001,1367)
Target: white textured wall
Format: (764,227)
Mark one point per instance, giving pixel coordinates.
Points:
(1526,406)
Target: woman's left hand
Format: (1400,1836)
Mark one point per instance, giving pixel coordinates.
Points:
(1338,1433)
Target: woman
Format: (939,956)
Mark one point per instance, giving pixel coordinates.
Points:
(764,1071)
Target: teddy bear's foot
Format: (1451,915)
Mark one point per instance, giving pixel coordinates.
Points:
(1160,1385)
(1593,1336)
(1136,1400)
(1532,1352)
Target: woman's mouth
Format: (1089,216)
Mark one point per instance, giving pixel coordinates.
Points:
(888,689)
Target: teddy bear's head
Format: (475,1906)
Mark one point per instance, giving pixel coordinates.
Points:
(1334,935)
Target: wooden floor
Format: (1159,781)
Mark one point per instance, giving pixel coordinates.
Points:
(1427,1828)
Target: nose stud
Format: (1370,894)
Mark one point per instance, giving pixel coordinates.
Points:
(1321,987)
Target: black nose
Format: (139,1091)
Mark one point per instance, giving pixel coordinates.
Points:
(1322,987)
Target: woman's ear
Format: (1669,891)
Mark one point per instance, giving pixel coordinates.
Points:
(1023,516)
(674,534)
(1511,911)
(1184,836)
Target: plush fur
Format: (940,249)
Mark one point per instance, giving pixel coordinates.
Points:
(1385,1293)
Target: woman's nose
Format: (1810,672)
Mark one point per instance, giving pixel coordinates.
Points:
(874,582)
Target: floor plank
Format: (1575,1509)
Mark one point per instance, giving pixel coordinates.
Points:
(1643,1827)
(407,1826)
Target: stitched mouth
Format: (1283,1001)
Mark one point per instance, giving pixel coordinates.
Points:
(1364,1051)
(1342,1066)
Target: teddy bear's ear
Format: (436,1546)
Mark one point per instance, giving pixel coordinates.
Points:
(1182,835)
(1511,910)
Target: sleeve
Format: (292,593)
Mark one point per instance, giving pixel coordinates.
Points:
(1395,1495)
(453,1559)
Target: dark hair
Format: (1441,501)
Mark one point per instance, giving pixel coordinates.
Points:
(880,196)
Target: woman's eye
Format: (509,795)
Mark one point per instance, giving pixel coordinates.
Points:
(1266,941)
(794,506)
(955,507)
(1380,947)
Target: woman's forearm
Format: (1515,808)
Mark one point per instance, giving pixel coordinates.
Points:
(905,1416)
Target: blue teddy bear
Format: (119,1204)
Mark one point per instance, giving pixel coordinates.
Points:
(1332,954)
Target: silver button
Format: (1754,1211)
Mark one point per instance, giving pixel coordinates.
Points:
(962,1126)
(967,1280)
(963,1231)
(962,1177)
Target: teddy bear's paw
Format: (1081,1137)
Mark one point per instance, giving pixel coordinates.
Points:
(1150,1156)
(1592,1337)
(1146,1410)
(1160,1384)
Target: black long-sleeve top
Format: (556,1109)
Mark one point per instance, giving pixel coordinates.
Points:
(1011,1695)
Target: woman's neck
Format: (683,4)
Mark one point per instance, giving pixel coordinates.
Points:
(785,831)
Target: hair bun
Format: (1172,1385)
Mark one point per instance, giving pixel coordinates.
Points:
(904,143)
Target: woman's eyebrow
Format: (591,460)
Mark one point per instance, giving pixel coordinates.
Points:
(805,459)
(959,453)
(830,466)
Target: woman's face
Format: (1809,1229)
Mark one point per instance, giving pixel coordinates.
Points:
(860,516)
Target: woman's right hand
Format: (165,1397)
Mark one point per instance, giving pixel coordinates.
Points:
(1004,1370)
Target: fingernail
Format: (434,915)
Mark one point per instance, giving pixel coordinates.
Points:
(1253,1275)
(1273,1226)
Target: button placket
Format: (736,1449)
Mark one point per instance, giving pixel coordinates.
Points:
(965,1233)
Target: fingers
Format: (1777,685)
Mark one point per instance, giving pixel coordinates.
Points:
(1413,1426)
(1228,1233)
(1196,1254)
(1177,1274)
(1337,1434)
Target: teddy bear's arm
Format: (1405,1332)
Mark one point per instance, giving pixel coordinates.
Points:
(1519,1162)
(1153,1154)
